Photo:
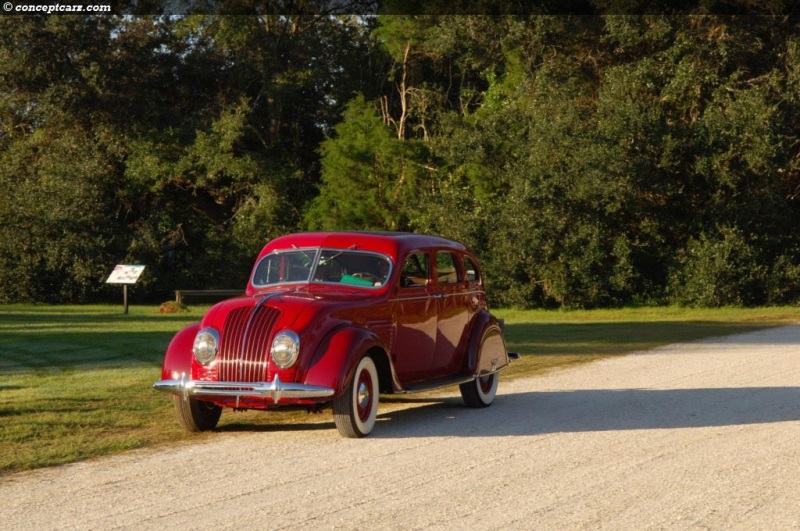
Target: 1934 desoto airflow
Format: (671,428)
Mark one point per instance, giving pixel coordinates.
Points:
(334,319)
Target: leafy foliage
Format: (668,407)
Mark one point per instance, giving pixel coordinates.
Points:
(589,160)
(369,177)
(179,143)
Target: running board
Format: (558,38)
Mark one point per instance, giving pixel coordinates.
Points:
(449,381)
(438,383)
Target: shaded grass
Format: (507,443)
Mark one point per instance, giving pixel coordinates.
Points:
(75,381)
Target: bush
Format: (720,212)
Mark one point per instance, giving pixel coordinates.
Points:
(783,284)
(722,270)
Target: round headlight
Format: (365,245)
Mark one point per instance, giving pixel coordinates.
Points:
(285,348)
(206,343)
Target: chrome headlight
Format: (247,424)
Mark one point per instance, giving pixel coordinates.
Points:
(206,344)
(285,348)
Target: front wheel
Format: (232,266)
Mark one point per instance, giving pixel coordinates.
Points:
(354,411)
(481,391)
(196,415)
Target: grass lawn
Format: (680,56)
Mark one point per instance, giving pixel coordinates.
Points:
(75,381)
(550,339)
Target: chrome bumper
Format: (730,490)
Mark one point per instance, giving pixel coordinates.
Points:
(274,389)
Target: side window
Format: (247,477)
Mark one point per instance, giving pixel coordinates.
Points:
(446,269)
(416,270)
(472,270)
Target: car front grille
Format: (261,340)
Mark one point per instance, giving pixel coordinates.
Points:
(244,349)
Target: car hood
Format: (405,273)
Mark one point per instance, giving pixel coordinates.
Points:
(298,307)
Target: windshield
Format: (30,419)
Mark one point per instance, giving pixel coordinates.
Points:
(357,268)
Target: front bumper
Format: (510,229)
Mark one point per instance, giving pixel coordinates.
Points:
(276,389)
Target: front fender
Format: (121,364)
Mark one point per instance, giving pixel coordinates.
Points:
(486,352)
(336,357)
(178,358)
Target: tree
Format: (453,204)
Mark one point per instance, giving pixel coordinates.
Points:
(369,176)
(183,143)
(55,237)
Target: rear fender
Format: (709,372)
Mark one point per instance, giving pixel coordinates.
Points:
(337,355)
(486,352)
(178,359)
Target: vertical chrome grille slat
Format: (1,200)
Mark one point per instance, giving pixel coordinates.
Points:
(260,348)
(244,351)
(255,350)
(231,338)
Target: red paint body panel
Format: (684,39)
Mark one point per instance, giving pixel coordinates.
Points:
(336,356)
(178,359)
(421,333)
(414,312)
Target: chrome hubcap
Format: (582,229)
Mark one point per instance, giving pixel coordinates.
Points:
(363,396)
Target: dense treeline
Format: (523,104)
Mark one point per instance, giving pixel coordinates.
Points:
(588,160)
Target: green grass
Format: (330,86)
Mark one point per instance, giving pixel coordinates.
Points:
(549,339)
(75,381)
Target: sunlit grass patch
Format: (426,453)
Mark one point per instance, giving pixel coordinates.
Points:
(548,339)
(76,382)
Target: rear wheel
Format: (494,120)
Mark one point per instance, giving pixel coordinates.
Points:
(481,391)
(355,410)
(196,415)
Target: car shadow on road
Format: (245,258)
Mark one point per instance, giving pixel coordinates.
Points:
(536,413)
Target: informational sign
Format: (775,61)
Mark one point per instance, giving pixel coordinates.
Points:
(125,274)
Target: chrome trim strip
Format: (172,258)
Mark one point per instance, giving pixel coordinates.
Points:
(402,299)
(432,295)
(274,389)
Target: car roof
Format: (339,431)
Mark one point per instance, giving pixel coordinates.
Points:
(393,244)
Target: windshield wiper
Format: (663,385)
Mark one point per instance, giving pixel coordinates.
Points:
(323,262)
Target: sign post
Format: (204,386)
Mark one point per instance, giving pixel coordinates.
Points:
(125,275)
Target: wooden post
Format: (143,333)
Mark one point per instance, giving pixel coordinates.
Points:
(125,298)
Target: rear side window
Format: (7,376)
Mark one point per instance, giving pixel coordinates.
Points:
(471,270)
(446,269)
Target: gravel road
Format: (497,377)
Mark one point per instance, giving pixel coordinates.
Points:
(694,435)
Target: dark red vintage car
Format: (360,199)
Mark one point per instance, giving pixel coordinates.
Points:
(334,319)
